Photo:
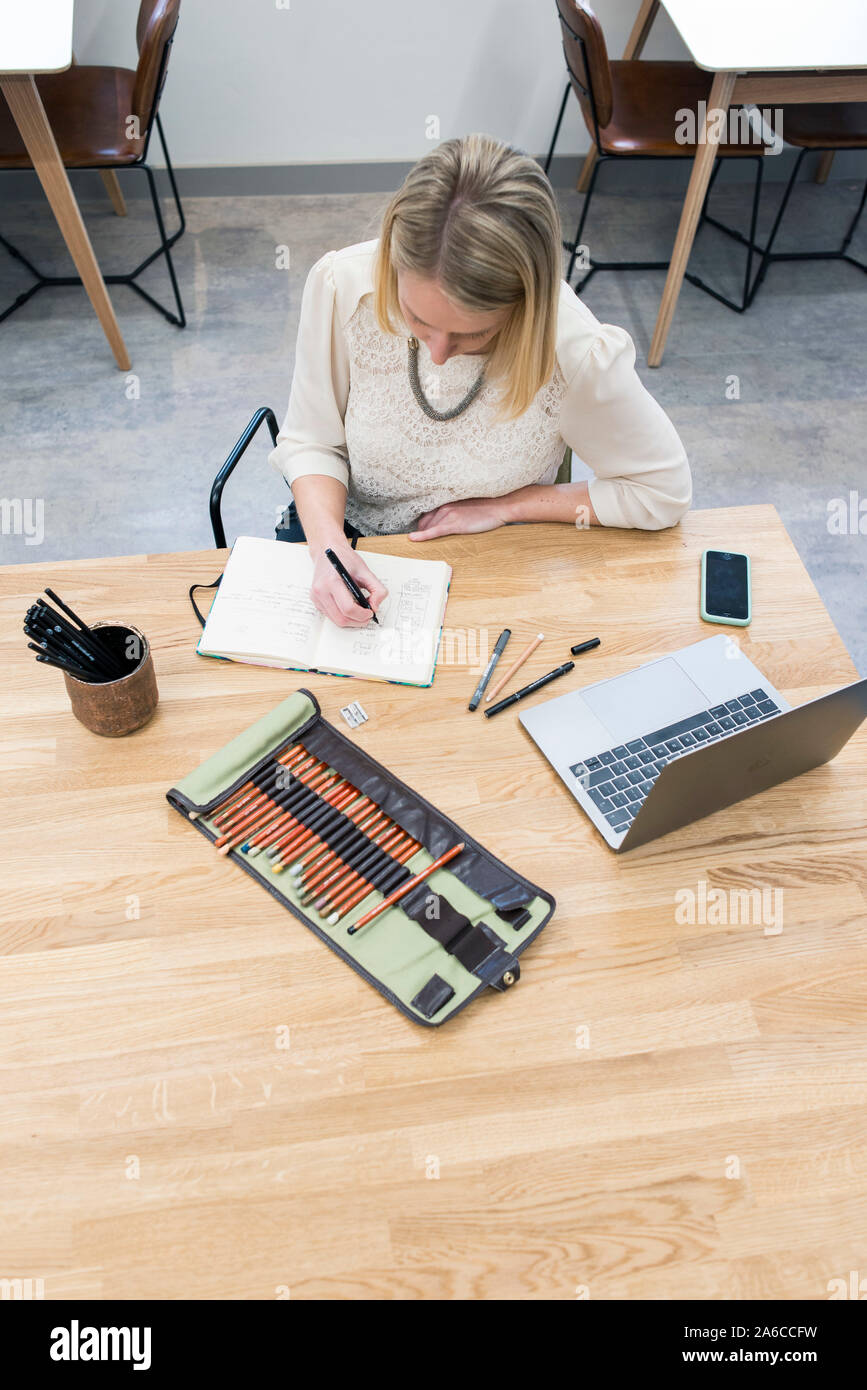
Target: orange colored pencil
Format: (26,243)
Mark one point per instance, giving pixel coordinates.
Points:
(395,842)
(293,750)
(404,888)
(246,804)
(338,797)
(249,789)
(333,862)
(361,893)
(269,811)
(286,849)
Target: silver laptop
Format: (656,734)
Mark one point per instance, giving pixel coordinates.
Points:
(683,736)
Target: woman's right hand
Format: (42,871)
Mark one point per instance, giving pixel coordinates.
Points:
(330,594)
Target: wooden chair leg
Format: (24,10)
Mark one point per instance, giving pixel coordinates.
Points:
(641,28)
(112,188)
(823,168)
(587,169)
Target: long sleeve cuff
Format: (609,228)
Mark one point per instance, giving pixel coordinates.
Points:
(295,460)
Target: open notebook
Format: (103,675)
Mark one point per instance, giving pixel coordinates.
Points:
(263,615)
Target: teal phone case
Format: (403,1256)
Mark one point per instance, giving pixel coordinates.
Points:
(715,617)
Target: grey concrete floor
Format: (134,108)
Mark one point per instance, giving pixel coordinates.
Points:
(124,466)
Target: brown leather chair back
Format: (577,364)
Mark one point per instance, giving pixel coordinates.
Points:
(155,28)
(588,65)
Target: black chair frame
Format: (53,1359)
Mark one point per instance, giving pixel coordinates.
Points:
(841,254)
(263,414)
(750,284)
(166,242)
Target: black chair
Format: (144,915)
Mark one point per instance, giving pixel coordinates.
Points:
(822,128)
(630,108)
(263,414)
(89,110)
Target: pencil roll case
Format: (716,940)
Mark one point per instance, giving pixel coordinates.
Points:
(331,833)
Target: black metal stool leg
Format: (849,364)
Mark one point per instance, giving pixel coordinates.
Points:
(167,248)
(582,219)
(766,254)
(757,194)
(546,166)
(851,232)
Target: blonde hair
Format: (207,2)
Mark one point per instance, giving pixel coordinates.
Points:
(480,218)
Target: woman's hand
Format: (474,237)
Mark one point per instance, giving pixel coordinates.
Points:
(461,518)
(330,594)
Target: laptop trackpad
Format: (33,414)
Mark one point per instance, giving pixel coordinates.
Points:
(645,699)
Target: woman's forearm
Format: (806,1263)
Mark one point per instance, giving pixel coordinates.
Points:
(552,502)
(321,503)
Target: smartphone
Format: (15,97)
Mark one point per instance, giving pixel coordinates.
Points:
(725,588)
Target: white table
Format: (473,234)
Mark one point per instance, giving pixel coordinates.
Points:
(767,52)
(36,37)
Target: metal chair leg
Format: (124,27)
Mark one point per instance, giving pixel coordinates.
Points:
(171,173)
(851,232)
(748,293)
(583,218)
(546,166)
(766,254)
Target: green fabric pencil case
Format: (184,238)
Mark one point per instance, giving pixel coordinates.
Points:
(454,936)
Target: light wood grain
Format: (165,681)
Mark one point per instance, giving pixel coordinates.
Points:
(29,115)
(152,1036)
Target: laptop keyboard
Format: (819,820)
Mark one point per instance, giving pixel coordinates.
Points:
(619,779)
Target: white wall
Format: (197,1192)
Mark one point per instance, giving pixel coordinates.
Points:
(336,80)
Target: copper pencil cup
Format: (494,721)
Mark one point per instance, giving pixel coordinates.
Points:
(115,708)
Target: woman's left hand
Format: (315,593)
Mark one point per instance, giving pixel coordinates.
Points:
(459,518)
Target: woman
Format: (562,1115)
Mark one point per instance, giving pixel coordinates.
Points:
(442,370)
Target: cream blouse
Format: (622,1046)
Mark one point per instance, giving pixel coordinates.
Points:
(352,415)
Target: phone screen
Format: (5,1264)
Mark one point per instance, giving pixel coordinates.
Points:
(726,587)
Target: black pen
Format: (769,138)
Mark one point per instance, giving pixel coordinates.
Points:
(586,646)
(486,674)
(530,689)
(350,583)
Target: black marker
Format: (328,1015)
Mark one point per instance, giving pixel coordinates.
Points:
(350,583)
(586,646)
(486,674)
(530,689)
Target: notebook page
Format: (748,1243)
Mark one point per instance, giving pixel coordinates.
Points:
(403,647)
(263,607)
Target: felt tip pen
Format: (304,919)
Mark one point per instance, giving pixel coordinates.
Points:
(350,583)
(586,646)
(530,689)
(492,661)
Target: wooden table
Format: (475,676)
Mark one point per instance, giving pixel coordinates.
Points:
(766,52)
(709,1141)
(36,36)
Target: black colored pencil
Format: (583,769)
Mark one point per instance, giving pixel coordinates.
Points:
(80,623)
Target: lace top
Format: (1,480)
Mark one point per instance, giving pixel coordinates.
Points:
(352,415)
